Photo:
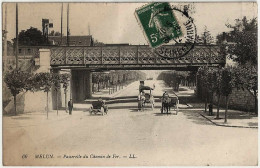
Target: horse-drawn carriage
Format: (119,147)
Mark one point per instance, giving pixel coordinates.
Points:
(145,98)
(168,103)
(98,107)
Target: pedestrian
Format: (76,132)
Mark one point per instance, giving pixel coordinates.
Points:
(70,106)
(165,95)
(210,109)
(139,101)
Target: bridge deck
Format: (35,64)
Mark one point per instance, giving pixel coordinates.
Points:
(132,57)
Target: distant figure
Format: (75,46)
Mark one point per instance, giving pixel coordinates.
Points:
(70,105)
(165,95)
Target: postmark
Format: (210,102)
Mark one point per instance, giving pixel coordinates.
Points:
(178,46)
(159,25)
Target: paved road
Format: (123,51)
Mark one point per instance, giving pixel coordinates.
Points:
(154,139)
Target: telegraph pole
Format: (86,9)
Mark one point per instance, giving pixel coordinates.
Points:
(68,8)
(61,24)
(16,50)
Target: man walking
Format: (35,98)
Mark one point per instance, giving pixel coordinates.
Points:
(70,106)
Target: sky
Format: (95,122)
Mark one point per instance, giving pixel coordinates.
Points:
(116,22)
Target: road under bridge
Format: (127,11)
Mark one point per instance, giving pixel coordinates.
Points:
(82,61)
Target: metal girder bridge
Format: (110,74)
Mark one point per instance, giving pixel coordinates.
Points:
(133,57)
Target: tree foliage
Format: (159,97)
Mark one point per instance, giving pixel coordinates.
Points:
(43,81)
(16,81)
(117,77)
(64,79)
(242,41)
(31,37)
(174,78)
(205,37)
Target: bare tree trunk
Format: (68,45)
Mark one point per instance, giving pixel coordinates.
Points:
(256,103)
(206,102)
(66,101)
(47,108)
(57,104)
(226,109)
(218,107)
(14,104)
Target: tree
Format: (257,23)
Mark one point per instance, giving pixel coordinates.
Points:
(205,38)
(227,83)
(53,33)
(43,81)
(217,80)
(203,76)
(55,79)
(243,41)
(242,48)
(31,37)
(16,81)
(64,79)
(246,78)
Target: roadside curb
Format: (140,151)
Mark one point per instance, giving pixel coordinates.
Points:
(222,125)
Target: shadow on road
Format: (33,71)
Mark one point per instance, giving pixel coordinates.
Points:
(195,117)
(164,114)
(21,118)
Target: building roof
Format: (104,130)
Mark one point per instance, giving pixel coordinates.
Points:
(73,40)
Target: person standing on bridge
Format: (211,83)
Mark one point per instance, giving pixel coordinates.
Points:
(70,106)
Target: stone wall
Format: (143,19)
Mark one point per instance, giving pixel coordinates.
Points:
(239,99)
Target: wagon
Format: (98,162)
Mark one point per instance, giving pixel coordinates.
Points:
(98,107)
(169,103)
(148,97)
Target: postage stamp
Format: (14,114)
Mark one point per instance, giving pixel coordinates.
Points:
(159,24)
(181,46)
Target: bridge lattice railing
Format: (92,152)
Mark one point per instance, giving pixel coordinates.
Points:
(131,55)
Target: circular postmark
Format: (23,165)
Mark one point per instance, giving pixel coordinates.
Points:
(182,45)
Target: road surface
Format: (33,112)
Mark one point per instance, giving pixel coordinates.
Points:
(126,137)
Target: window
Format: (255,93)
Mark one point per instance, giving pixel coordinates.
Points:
(20,51)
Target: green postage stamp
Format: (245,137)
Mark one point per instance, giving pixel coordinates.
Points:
(158,22)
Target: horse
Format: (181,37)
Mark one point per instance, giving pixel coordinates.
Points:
(165,104)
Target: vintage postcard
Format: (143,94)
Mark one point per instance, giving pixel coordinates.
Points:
(130,84)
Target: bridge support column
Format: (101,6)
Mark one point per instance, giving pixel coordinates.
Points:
(88,80)
(56,97)
(78,85)
(81,85)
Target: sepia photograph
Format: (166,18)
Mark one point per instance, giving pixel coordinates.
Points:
(130,84)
